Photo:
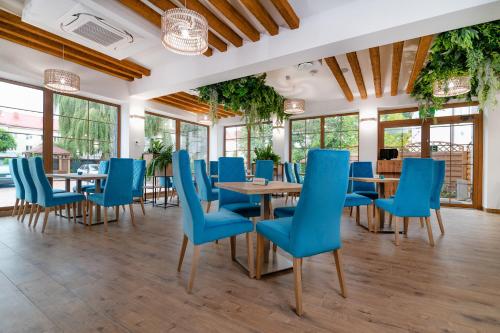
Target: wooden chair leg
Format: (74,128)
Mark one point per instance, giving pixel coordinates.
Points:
(45,218)
(183,251)
(38,211)
(132,218)
(350,211)
(233,247)
(286,198)
(337,254)
(68,213)
(250,259)
(74,212)
(16,205)
(377,219)
(123,207)
(396,230)
(275,247)
(117,213)
(297,273)
(194,264)
(421,222)
(209,203)
(390,220)
(260,256)
(141,200)
(369,215)
(429,230)
(32,213)
(84,206)
(105,218)
(19,209)
(25,211)
(440,221)
(358,215)
(91,213)
(405,225)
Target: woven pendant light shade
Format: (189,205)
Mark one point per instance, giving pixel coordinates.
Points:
(451,87)
(294,106)
(184,31)
(61,81)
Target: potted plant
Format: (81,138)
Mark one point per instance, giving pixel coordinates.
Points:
(266,153)
(160,157)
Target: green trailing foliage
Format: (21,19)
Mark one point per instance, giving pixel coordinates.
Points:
(472,51)
(266,153)
(258,102)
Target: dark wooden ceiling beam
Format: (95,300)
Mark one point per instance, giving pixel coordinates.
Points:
(195,103)
(236,18)
(377,76)
(197,100)
(352,58)
(397,56)
(261,14)
(339,76)
(423,49)
(286,11)
(169,100)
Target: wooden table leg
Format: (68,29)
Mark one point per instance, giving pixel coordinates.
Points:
(381,194)
(79,190)
(97,207)
(265,213)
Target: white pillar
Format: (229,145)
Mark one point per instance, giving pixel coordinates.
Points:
(491,158)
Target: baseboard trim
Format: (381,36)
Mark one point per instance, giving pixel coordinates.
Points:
(492,210)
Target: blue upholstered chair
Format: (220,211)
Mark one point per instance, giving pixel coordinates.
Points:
(117,191)
(289,177)
(315,226)
(200,228)
(46,198)
(205,190)
(30,190)
(437,185)
(363,169)
(296,171)
(214,171)
(14,173)
(139,167)
(263,169)
(232,169)
(102,169)
(412,197)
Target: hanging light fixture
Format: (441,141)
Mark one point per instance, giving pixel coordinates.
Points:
(453,86)
(61,80)
(184,31)
(204,119)
(294,106)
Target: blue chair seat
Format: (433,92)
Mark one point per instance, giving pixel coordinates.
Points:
(98,198)
(370,194)
(284,212)
(66,198)
(223,224)
(278,231)
(246,209)
(58,190)
(354,200)
(389,206)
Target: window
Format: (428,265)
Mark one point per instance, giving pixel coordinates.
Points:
(194,139)
(333,132)
(21,131)
(159,128)
(84,131)
(239,142)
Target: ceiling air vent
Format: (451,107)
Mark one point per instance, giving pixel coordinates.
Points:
(97,30)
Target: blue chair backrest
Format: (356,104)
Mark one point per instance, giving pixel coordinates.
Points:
(14,173)
(43,189)
(231,169)
(201,177)
(316,222)
(264,169)
(437,183)
(192,218)
(296,169)
(361,169)
(139,172)
(289,174)
(27,180)
(103,169)
(414,190)
(118,189)
(214,171)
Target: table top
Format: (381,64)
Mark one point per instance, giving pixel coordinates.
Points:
(250,188)
(374,180)
(248,176)
(77,176)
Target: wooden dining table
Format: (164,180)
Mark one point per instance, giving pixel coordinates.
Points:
(97,178)
(273,261)
(380,184)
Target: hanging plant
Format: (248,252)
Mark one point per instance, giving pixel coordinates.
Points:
(472,51)
(250,95)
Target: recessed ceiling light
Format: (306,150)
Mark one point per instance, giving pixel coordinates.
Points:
(344,69)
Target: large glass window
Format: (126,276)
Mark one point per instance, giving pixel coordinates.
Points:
(333,132)
(159,128)
(260,137)
(21,130)
(85,132)
(240,142)
(194,138)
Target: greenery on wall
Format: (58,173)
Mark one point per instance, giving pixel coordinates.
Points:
(472,51)
(7,141)
(266,153)
(257,101)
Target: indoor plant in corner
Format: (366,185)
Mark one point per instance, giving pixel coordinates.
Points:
(160,161)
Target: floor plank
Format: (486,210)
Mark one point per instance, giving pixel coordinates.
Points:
(78,280)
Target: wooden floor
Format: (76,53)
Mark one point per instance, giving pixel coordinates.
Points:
(75,280)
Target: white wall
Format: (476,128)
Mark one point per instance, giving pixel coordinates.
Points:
(491,158)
